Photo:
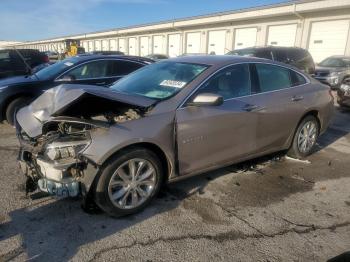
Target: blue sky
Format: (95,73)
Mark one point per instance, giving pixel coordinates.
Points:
(37,19)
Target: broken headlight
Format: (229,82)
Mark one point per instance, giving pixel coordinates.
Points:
(65,150)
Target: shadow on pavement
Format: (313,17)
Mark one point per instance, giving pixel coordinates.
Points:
(339,128)
(55,230)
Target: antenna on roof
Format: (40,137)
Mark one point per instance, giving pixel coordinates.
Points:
(24,61)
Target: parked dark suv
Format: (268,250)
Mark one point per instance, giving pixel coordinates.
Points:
(19,62)
(294,56)
(334,71)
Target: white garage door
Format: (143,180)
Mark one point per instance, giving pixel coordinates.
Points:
(61,47)
(217,42)
(97,45)
(245,37)
(121,45)
(328,38)
(105,46)
(132,46)
(113,45)
(282,35)
(193,43)
(91,46)
(86,46)
(144,45)
(174,45)
(158,43)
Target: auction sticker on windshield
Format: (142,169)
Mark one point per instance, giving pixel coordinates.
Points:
(173,83)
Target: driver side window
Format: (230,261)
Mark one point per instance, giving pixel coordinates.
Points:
(94,69)
(231,82)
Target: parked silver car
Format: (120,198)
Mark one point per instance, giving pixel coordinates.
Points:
(334,71)
(165,122)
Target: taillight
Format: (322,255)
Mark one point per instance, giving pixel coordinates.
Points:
(46,59)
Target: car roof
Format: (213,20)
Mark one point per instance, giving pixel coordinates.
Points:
(272,47)
(87,57)
(218,60)
(20,50)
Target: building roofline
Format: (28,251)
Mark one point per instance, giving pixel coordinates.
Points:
(172,22)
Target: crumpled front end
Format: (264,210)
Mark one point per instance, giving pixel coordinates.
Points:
(54,162)
(54,131)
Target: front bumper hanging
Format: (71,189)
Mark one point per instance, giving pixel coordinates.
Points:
(53,179)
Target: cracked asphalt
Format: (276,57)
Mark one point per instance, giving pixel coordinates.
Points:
(269,209)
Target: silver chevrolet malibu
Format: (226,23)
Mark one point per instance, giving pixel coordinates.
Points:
(117,146)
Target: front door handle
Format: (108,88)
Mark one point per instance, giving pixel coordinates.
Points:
(297,98)
(252,108)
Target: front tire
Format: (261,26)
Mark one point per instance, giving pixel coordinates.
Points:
(305,138)
(128,182)
(14,106)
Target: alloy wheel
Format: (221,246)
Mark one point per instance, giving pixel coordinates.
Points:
(132,183)
(307,137)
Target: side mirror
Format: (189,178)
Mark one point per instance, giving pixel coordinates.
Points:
(67,78)
(207,99)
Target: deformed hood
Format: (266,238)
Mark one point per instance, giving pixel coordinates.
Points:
(76,101)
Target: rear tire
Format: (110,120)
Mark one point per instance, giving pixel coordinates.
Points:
(128,182)
(14,106)
(304,138)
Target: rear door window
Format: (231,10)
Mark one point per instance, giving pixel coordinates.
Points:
(91,70)
(4,55)
(272,77)
(122,68)
(296,78)
(5,60)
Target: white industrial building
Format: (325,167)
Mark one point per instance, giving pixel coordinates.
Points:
(321,26)
(6,44)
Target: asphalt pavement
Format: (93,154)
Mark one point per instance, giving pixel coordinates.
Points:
(269,209)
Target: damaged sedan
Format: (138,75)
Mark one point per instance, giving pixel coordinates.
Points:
(170,120)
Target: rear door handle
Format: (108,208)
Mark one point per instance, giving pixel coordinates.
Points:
(252,108)
(297,98)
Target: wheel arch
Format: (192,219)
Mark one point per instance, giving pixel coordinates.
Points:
(311,112)
(314,113)
(167,164)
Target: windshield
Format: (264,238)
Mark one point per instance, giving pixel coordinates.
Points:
(56,69)
(160,80)
(335,62)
